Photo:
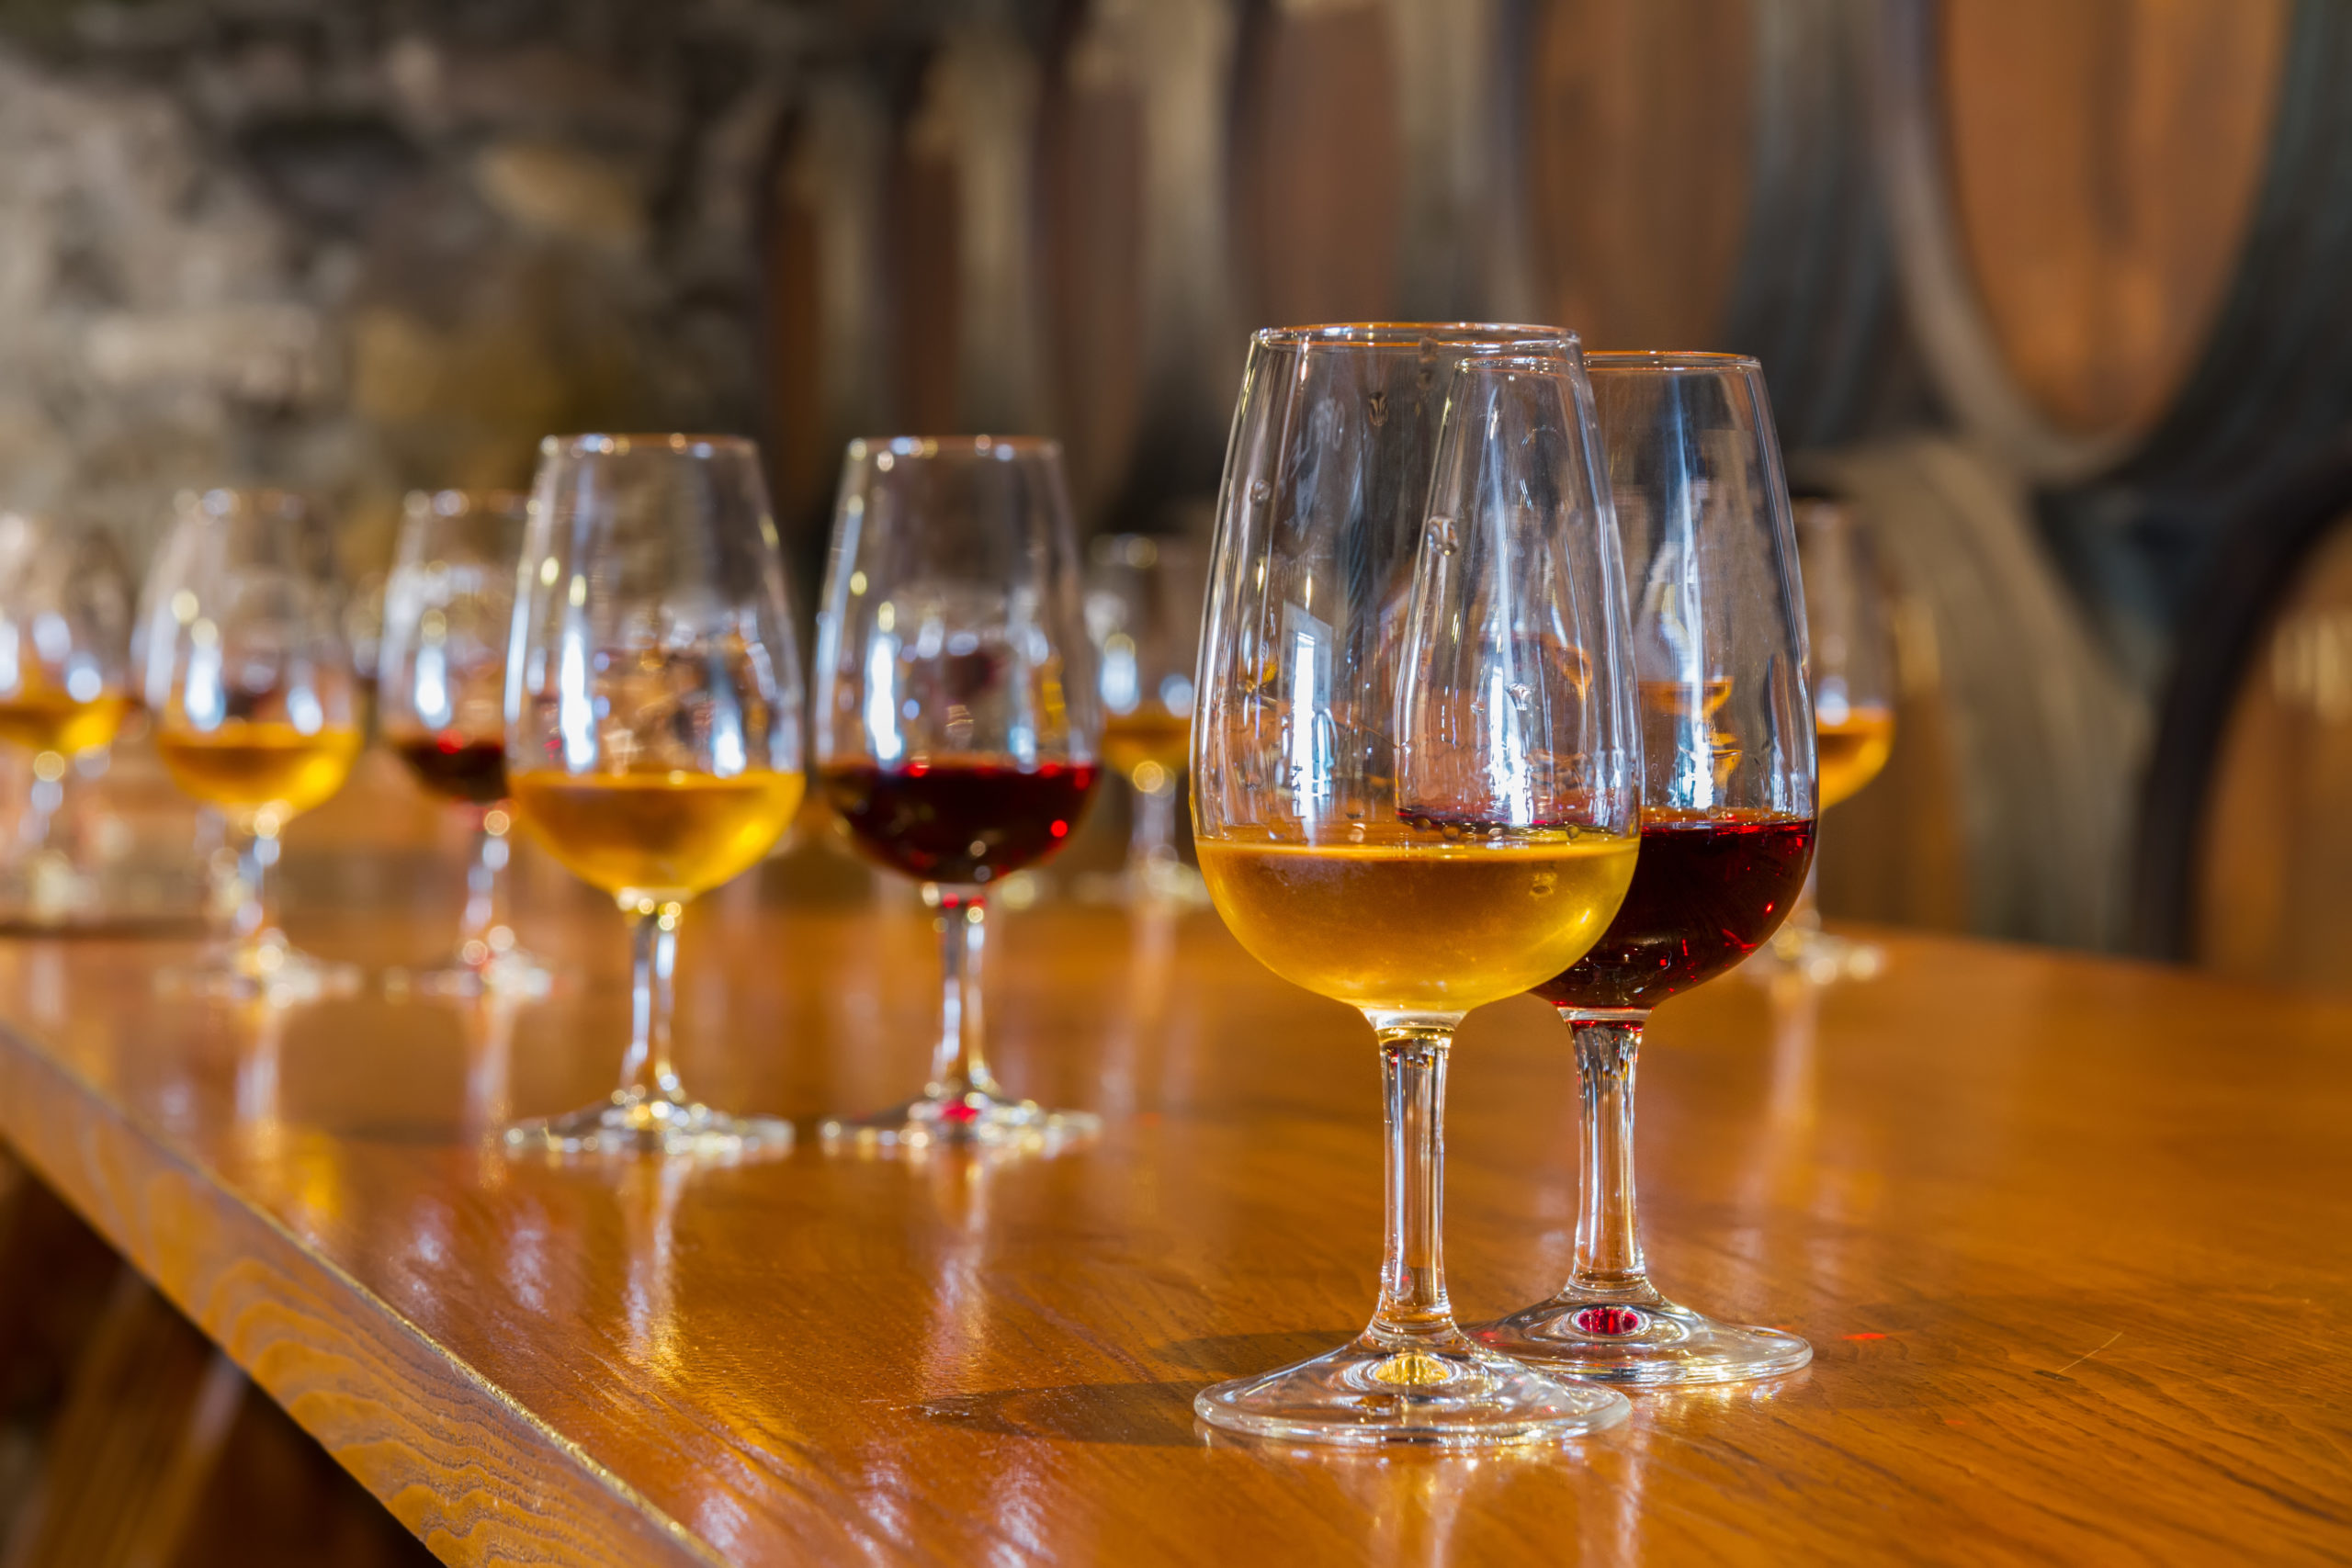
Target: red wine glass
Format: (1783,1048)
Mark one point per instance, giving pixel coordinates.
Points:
(1727,824)
(956,723)
(441,687)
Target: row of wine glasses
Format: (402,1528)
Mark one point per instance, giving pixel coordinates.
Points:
(1443,754)
(1503,688)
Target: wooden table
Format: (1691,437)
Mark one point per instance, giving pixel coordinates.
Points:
(2071,1239)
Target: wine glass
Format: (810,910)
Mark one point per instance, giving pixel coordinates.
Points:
(956,719)
(653,730)
(1853,711)
(1416,776)
(64,676)
(1727,823)
(250,682)
(1143,609)
(441,695)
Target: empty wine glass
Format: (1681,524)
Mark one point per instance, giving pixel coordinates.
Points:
(956,718)
(1727,824)
(441,695)
(64,677)
(653,730)
(1416,776)
(1144,596)
(250,682)
(1846,606)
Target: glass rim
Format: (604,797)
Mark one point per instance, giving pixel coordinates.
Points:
(622,444)
(999,447)
(466,498)
(219,501)
(1410,334)
(1522,364)
(1669,359)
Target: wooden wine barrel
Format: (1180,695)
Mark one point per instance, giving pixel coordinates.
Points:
(824,302)
(2245,841)
(2008,800)
(966,344)
(1145,344)
(1698,175)
(2124,229)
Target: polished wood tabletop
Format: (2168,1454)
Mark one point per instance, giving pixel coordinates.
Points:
(2071,1238)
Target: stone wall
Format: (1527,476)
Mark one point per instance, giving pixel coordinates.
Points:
(356,246)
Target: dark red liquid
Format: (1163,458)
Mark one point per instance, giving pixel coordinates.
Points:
(456,767)
(1706,892)
(960,822)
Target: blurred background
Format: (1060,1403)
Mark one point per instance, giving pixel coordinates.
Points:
(2053,300)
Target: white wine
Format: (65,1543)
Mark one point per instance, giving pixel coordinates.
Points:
(45,719)
(247,766)
(1409,924)
(1851,751)
(668,835)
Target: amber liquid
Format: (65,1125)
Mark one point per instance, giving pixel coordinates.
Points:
(456,767)
(1411,925)
(1148,738)
(246,766)
(668,835)
(48,720)
(1851,752)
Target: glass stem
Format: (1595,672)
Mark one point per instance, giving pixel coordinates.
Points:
(958,1065)
(1609,1244)
(485,913)
(257,917)
(646,1071)
(1414,1307)
(1805,916)
(43,802)
(1153,841)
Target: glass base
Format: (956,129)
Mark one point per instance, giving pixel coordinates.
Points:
(267,968)
(644,1123)
(513,973)
(1448,1394)
(975,1116)
(1640,1337)
(1817,958)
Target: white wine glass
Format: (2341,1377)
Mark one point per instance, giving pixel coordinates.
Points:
(65,681)
(1417,776)
(653,739)
(441,698)
(1143,599)
(1848,612)
(251,685)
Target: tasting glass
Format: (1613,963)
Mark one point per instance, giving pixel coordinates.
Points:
(955,720)
(249,682)
(64,676)
(1848,613)
(441,698)
(1143,599)
(1727,823)
(1416,776)
(652,723)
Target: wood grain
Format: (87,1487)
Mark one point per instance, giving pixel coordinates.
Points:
(2068,1236)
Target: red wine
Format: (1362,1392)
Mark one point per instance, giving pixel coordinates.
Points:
(959,822)
(1707,891)
(456,767)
